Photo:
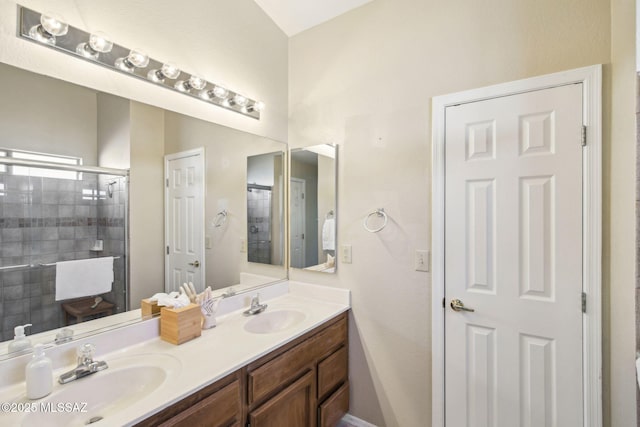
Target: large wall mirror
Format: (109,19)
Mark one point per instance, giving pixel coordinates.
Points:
(51,217)
(312,208)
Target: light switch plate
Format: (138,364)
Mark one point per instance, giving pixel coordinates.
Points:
(243,245)
(345,254)
(422,260)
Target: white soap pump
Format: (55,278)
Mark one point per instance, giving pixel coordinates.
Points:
(20,341)
(39,374)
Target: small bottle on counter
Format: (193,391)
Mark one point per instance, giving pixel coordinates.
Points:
(39,374)
(20,341)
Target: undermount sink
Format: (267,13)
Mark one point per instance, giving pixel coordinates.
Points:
(128,380)
(274,321)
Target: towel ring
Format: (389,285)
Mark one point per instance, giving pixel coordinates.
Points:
(220,219)
(380,213)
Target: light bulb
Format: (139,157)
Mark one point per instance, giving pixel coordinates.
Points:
(207,95)
(197,83)
(136,58)
(54,24)
(100,42)
(51,25)
(220,92)
(258,106)
(168,70)
(240,100)
(182,86)
(194,82)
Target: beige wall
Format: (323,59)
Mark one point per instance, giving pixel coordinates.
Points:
(114,117)
(619,220)
(365,80)
(47,115)
(146,202)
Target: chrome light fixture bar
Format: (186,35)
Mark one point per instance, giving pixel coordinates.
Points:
(51,31)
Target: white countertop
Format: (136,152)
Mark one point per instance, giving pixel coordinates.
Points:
(204,360)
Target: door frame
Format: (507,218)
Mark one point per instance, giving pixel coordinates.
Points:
(200,153)
(591,78)
(304,216)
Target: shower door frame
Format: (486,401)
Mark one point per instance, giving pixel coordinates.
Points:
(591,79)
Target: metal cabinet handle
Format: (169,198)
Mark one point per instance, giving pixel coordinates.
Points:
(195,263)
(458,305)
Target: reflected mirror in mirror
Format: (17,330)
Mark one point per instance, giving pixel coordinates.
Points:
(312,208)
(48,218)
(265,208)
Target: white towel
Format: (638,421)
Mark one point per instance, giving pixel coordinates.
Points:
(329,235)
(86,277)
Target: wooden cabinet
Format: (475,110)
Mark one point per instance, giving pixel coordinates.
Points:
(216,405)
(318,359)
(304,383)
(293,406)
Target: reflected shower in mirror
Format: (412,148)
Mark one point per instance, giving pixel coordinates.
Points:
(265,208)
(313,217)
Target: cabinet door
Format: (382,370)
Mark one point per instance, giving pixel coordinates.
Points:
(293,406)
(222,408)
(334,408)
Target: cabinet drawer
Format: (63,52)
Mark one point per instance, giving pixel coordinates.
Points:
(222,408)
(334,408)
(287,367)
(332,372)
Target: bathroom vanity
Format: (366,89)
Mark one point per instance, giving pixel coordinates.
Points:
(291,386)
(285,366)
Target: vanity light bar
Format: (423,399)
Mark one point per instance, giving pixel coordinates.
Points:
(51,31)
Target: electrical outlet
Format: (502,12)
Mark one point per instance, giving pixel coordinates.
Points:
(422,260)
(345,254)
(243,245)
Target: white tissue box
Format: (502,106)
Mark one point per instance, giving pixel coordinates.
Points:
(179,325)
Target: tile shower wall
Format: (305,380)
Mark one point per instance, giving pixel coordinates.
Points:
(45,220)
(259,225)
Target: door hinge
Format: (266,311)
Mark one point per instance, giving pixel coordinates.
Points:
(302,236)
(167,182)
(167,250)
(302,196)
(584,302)
(443,302)
(584,136)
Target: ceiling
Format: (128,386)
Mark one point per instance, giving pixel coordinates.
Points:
(295,16)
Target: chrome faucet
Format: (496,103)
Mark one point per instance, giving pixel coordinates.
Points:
(256,307)
(86,365)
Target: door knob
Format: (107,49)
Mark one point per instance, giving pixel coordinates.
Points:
(195,263)
(458,305)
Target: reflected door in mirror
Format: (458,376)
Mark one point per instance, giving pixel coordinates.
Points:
(185,220)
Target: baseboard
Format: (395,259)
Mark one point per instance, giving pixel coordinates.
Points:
(356,422)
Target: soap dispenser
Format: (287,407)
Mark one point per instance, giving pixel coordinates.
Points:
(20,341)
(39,374)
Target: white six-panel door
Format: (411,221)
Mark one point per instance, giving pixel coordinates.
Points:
(513,253)
(184,210)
